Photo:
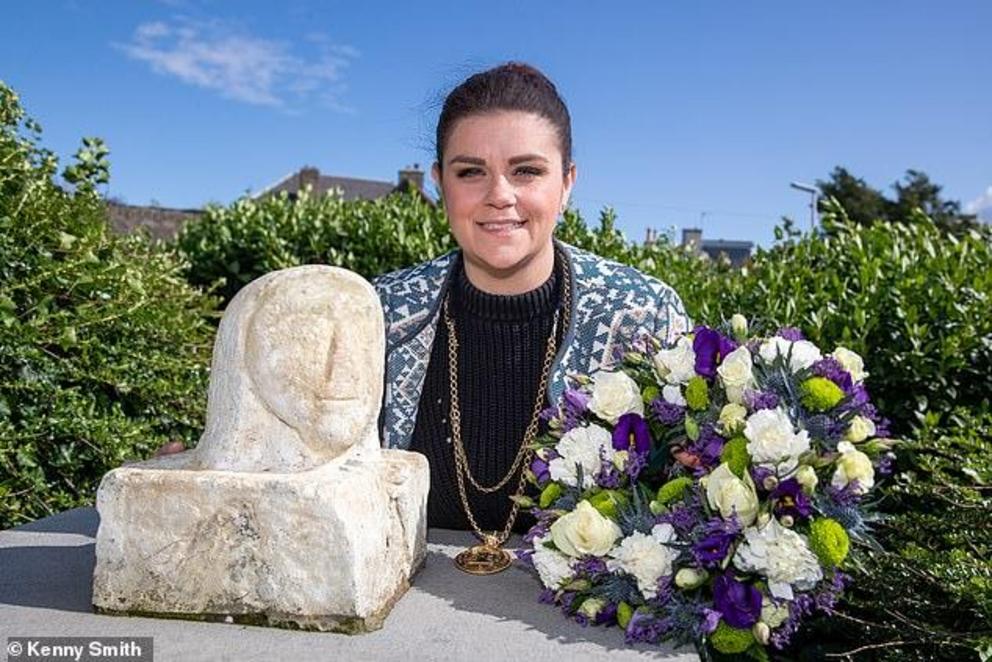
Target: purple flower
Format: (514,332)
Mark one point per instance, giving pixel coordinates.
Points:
(682,518)
(608,476)
(847,496)
(666,413)
(635,464)
(739,603)
(831,368)
(716,537)
(645,628)
(790,499)
(589,566)
(606,615)
(886,464)
(790,333)
(759,474)
(707,448)
(546,596)
(540,469)
(576,401)
(632,434)
(755,400)
(710,347)
(711,618)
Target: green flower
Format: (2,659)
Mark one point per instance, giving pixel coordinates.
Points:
(607,502)
(673,490)
(691,428)
(829,541)
(820,394)
(726,639)
(624,612)
(735,455)
(649,394)
(697,394)
(549,495)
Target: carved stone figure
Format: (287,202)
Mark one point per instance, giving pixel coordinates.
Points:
(287,512)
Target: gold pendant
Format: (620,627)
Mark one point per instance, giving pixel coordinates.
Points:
(484,559)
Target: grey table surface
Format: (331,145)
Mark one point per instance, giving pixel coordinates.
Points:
(46,570)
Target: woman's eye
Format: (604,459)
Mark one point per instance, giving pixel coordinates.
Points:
(529,171)
(468,172)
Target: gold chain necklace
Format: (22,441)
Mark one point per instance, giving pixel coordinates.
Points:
(489,558)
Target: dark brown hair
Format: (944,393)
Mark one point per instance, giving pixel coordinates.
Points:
(510,86)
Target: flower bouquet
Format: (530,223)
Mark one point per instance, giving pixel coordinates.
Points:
(707,492)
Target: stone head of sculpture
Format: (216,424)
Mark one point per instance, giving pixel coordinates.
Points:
(297,373)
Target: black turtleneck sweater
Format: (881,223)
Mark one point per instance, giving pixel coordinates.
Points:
(502,342)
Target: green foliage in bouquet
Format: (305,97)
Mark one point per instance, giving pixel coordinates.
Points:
(103,346)
(236,244)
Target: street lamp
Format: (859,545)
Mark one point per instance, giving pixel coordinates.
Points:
(814,198)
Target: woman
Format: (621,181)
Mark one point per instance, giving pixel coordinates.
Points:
(480,340)
(510,313)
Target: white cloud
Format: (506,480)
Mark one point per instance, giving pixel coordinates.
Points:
(982,206)
(217,56)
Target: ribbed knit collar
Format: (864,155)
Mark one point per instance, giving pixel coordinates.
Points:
(539,302)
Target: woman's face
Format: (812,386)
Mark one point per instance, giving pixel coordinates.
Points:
(503,189)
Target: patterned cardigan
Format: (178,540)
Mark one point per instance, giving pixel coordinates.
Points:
(611,304)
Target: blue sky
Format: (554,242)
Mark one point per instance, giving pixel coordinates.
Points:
(684,114)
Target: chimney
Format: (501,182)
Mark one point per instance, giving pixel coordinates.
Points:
(692,237)
(414,175)
(309,177)
(650,236)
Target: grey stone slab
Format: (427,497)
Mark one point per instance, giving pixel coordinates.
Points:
(46,570)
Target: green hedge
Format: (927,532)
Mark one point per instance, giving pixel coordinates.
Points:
(104,347)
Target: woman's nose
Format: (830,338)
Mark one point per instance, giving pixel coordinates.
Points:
(501,193)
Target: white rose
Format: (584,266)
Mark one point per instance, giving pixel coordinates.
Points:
(853,465)
(736,373)
(851,362)
(729,494)
(672,394)
(772,439)
(584,531)
(613,395)
(782,555)
(732,418)
(646,557)
(678,364)
(806,476)
(803,352)
(583,446)
(860,429)
(553,567)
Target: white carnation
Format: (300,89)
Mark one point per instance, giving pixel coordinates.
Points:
(771,438)
(646,557)
(553,567)
(583,446)
(613,395)
(781,555)
(678,364)
(803,352)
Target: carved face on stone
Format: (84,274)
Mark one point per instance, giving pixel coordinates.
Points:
(297,373)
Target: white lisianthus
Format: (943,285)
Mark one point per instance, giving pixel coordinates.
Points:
(690,578)
(672,394)
(613,395)
(853,465)
(732,418)
(852,362)
(773,613)
(738,324)
(806,476)
(729,494)
(553,567)
(803,352)
(591,607)
(860,429)
(771,438)
(584,531)
(583,446)
(646,557)
(781,555)
(678,364)
(736,373)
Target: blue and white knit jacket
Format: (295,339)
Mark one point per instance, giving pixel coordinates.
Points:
(611,304)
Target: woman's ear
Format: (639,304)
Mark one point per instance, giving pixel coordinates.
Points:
(436,178)
(570,176)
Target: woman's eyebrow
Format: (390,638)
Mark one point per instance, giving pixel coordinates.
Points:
(526,157)
(472,160)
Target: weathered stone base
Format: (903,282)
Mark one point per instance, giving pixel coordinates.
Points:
(330,549)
